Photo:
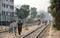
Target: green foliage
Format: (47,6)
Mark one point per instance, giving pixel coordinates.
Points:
(23,12)
(41,16)
(54,9)
(33,12)
(29,20)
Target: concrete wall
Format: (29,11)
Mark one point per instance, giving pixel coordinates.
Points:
(9,3)
(0,5)
(10,11)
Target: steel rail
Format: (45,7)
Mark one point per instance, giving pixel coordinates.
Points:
(41,31)
(32,32)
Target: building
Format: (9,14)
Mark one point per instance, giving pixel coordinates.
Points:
(6,11)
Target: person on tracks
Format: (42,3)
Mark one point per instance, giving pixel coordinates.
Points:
(45,22)
(19,27)
(39,22)
(15,26)
(11,27)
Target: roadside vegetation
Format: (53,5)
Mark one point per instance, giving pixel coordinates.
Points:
(54,9)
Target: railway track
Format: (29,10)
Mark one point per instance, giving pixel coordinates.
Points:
(43,30)
(35,33)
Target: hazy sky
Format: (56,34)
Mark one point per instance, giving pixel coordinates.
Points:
(39,4)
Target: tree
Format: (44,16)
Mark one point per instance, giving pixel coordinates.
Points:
(33,12)
(29,20)
(41,16)
(23,12)
(55,11)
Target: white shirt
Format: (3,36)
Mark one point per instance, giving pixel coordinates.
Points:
(14,24)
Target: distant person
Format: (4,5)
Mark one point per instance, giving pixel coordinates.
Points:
(39,22)
(11,27)
(45,22)
(15,26)
(19,27)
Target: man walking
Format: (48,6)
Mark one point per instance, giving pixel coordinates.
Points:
(19,27)
(15,26)
(11,27)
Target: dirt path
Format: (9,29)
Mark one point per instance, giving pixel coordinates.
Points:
(54,34)
(50,32)
(12,35)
